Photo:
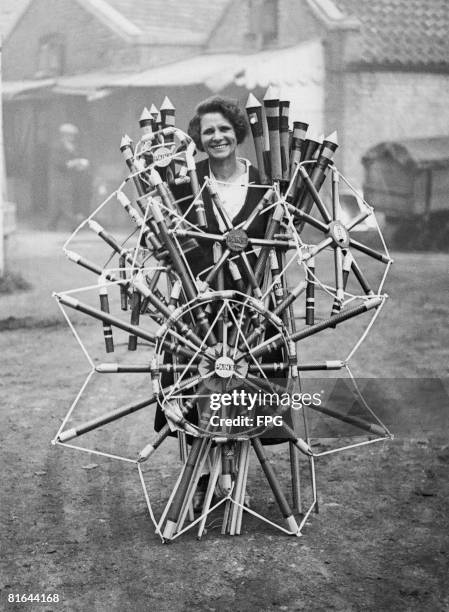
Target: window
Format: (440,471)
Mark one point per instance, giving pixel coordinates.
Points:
(263,22)
(51,56)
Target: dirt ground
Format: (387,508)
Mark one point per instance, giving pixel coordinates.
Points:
(77,524)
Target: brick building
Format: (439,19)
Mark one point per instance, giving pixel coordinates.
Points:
(374,69)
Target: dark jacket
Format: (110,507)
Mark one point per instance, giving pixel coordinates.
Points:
(202,257)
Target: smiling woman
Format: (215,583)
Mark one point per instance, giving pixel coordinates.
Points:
(217,128)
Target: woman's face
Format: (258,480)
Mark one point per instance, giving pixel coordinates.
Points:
(218,136)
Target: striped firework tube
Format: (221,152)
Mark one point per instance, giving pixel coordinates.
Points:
(318,174)
(299,134)
(344,315)
(274,342)
(274,485)
(118,368)
(310,292)
(104,306)
(309,149)
(135,319)
(104,419)
(123,292)
(255,118)
(271,104)
(352,420)
(138,331)
(284,108)
(311,146)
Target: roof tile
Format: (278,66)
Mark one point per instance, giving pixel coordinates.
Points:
(410,33)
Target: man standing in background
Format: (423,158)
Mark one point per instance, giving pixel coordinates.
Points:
(69,180)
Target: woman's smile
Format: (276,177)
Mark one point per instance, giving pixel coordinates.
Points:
(218,136)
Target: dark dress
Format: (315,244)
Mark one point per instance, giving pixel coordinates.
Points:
(201,257)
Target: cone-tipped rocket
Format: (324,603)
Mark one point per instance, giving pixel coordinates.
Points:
(167,104)
(146,122)
(125,141)
(167,111)
(255,118)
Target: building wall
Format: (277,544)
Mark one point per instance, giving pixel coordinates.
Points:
(89,44)
(381,106)
(296,23)
(156,55)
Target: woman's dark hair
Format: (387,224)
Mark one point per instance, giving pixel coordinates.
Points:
(228,109)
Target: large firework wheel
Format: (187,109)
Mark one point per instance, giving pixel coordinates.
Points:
(220,369)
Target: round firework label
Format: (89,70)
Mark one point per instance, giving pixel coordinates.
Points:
(224,367)
(237,240)
(162,157)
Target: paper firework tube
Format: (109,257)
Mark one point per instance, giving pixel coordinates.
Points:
(271,104)
(299,134)
(181,491)
(168,113)
(275,341)
(274,484)
(104,306)
(352,420)
(152,446)
(128,154)
(318,173)
(310,292)
(255,118)
(135,319)
(284,108)
(104,419)
(146,123)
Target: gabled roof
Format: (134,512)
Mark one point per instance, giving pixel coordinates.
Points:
(169,22)
(402,33)
(10,11)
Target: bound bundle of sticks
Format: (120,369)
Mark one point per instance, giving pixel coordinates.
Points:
(279,150)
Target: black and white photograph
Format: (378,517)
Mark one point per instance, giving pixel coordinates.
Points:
(224,305)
